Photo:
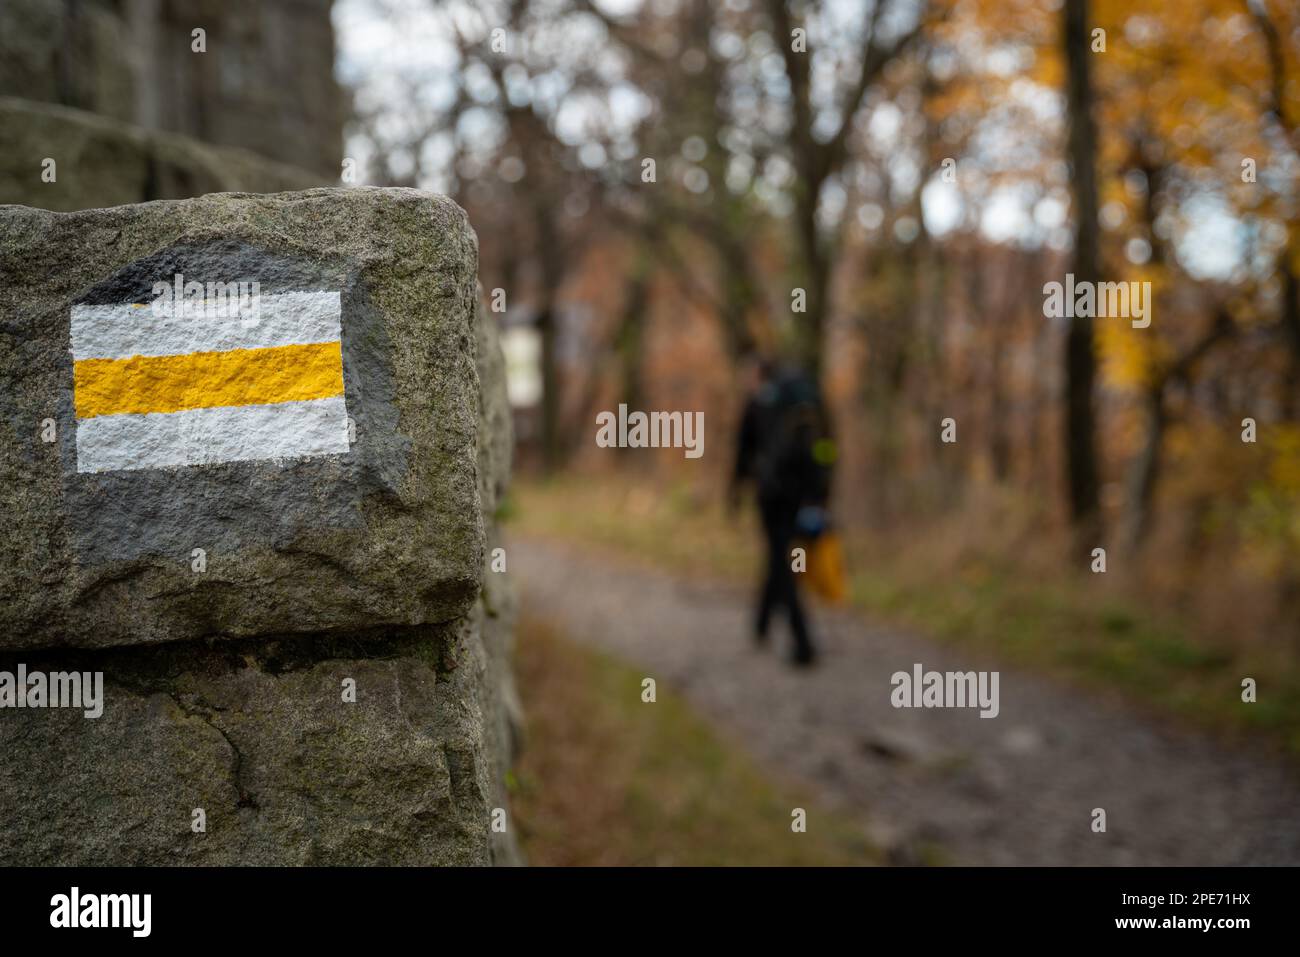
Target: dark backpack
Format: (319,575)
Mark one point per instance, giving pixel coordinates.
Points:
(794,454)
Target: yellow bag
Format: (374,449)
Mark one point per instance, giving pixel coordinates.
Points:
(826,575)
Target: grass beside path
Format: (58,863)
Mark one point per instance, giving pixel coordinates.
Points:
(980,590)
(606,779)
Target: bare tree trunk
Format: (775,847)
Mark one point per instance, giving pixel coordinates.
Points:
(816,161)
(550,390)
(1080,360)
(1277,100)
(552,269)
(1144,472)
(1290,320)
(1146,468)
(816,280)
(631,335)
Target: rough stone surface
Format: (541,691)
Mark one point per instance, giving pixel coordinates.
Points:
(103,162)
(254,730)
(497,606)
(256,733)
(390,533)
(265,83)
(76,54)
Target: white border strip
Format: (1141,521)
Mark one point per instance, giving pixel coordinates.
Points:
(207,436)
(122,330)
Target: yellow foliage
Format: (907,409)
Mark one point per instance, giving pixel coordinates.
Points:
(1284,458)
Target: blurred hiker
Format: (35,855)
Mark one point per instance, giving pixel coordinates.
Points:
(783,448)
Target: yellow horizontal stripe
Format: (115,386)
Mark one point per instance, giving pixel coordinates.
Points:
(203,380)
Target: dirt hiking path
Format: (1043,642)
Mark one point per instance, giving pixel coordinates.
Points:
(927,783)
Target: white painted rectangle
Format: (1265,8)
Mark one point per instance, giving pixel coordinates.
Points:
(207,436)
(122,330)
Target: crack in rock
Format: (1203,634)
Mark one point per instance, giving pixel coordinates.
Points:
(245,799)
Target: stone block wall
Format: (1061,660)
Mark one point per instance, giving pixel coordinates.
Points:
(263,79)
(268,529)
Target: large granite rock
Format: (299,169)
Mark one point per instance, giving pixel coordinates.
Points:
(365,569)
(378,527)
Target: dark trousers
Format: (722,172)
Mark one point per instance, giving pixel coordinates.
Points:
(779,589)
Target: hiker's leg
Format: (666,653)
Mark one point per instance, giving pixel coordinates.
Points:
(787,592)
(770,594)
(803,647)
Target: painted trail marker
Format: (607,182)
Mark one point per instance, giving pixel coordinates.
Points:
(304,407)
(163,388)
